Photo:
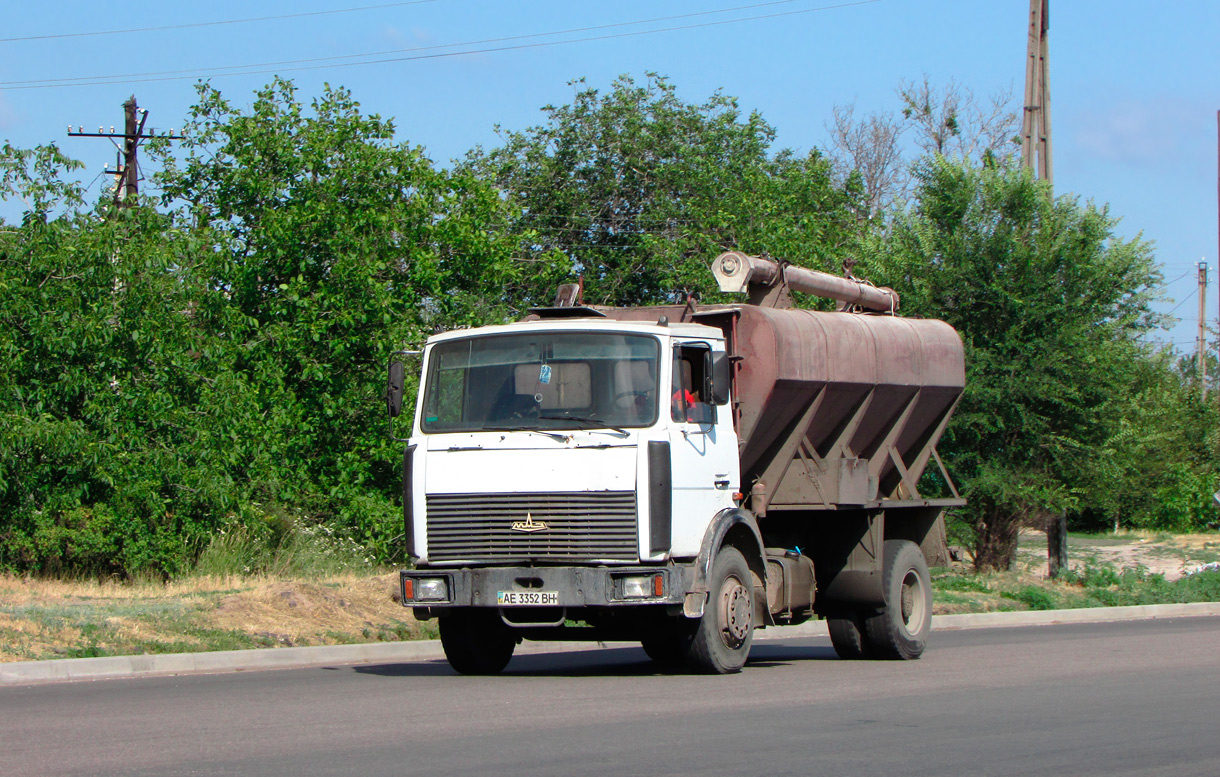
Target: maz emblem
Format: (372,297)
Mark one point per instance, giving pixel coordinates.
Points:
(529,525)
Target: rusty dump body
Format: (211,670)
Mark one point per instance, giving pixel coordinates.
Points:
(838,415)
(832,409)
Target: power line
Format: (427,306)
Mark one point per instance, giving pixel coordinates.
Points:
(171,75)
(1167,284)
(337,58)
(1183,302)
(367,54)
(192,25)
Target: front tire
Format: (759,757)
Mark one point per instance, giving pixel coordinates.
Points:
(722,640)
(476,641)
(900,631)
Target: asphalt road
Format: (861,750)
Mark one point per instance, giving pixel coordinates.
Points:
(1132,698)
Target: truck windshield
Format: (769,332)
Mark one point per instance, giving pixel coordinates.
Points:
(543,381)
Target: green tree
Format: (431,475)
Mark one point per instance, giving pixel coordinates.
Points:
(637,191)
(222,362)
(98,385)
(338,245)
(1050,305)
(1159,466)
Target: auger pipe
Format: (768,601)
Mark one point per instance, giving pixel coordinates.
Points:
(736,272)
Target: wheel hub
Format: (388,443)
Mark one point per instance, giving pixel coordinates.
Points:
(737,612)
(914,610)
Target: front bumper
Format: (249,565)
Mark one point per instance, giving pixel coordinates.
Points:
(575,586)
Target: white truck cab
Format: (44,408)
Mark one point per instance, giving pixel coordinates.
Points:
(531,447)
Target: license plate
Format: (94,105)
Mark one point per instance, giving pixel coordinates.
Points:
(527,598)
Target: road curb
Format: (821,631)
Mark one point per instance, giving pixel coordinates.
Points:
(78,669)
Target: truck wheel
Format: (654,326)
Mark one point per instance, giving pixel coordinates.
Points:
(721,641)
(848,637)
(900,631)
(476,641)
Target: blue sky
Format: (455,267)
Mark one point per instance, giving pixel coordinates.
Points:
(1135,85)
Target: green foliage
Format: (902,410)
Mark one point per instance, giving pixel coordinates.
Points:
(1109,587)
(970,584)
(1033,597)
(637,191)
(1162,461)
(1050,305)
(281,548)
(167,374)
(215,360)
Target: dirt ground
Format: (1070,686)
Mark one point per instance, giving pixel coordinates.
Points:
(1168,555)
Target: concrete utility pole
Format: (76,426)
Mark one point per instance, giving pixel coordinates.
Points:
(1201,343)
(1036,121)
(127,169)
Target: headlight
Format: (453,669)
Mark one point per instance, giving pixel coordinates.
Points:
(431,589)
(637,587)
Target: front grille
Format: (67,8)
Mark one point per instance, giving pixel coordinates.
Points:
(580,526)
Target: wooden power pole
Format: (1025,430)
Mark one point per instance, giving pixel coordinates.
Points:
(1201,342)
(1036,118)
(127,170)
(1036,155)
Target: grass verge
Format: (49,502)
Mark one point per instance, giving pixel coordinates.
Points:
(41,619)
(306,588)
(1093,586)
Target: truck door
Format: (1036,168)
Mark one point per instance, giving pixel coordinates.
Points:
(703,448)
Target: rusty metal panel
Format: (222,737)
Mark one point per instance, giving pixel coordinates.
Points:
(882,385)
(813,389)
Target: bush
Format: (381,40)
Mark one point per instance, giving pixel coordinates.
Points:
(1033,597)
(1184,504)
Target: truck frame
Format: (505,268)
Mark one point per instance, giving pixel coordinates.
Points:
(682,475)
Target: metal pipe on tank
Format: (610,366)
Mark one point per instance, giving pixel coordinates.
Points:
(735,272)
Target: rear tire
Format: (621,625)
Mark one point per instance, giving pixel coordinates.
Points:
(721,642)
(848,637)
(900,631)
(476,641)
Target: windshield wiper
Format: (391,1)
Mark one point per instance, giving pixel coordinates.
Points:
(522,428)
(589,423)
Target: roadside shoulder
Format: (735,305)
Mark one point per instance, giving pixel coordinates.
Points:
(79,669)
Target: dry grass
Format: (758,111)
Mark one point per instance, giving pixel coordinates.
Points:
(64,618)
(342,609)
(45,618)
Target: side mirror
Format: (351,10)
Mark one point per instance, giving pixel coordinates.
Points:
(394,389)
(721,378)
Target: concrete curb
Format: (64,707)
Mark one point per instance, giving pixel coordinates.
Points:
(77,669)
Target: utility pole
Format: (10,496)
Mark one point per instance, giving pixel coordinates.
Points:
(127,167)
(1036,144)
(1201,342)
(1036,119)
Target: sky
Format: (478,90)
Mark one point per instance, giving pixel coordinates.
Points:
(1135,86)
